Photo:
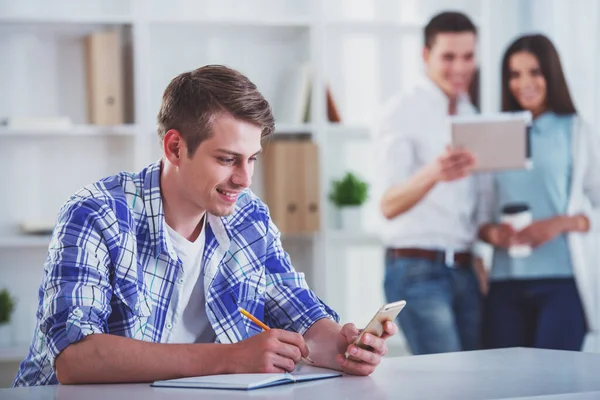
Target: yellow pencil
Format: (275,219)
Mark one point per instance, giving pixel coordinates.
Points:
(265,327)
(254,319)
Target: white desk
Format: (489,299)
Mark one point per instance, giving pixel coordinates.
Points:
(486,374)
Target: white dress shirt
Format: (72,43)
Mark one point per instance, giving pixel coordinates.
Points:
(413,130)
(188,303)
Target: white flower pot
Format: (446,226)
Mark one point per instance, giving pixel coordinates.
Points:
(5,335)
(351,218)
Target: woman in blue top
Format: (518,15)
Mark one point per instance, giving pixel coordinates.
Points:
(546,299)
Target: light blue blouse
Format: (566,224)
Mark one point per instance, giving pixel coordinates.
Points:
(545,188)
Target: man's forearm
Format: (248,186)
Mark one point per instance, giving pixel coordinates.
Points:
(104,358)
(484,232)
(401,198)
(322,340)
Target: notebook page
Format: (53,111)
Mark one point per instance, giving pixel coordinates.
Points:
(226,381)
(304,372)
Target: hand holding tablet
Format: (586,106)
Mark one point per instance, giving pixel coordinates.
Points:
(498,142)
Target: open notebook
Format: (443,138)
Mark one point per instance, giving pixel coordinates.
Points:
(302,373)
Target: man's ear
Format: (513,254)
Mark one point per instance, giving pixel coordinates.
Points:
(426,54)
(174,146)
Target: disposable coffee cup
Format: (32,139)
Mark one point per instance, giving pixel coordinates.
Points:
(519,217)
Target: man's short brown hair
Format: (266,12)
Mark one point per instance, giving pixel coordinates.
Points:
(447,22)
(193,99)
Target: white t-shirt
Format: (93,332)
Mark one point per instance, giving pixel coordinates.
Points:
(413,129)
(190,323)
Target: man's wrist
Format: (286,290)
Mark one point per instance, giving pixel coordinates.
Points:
(485,233)
(209,359)
(225,356)
(431,174)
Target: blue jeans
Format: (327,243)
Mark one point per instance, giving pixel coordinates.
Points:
(544,313)
(443,304)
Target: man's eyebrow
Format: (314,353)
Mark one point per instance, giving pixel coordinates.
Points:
(235,154)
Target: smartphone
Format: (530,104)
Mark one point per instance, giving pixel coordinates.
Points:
(387,312)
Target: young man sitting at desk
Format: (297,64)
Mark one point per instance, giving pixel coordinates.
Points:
(146,272)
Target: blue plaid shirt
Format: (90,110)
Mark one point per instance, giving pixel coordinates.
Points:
(111,268)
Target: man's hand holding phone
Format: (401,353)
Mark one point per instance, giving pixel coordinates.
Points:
(361,350)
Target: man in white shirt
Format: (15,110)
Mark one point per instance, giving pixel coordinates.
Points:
(428,199)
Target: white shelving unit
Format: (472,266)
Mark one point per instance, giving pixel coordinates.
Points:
(24,241)
(341,132)
(76,130)
(233,21)
(365,51)
(14,354)
(293,129)
(344,237)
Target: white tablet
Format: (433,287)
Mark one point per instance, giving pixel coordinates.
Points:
(498,141)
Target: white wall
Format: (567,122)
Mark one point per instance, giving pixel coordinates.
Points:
(574,28)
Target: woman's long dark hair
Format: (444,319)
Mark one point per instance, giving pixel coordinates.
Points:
(558,98)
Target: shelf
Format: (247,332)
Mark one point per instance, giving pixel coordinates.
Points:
(410,27)
(32,241)
(233,22)
(14,353)
(293,129)
(353,238)
(298,236)
(374,26)
(344,132)
(25,241)
(338,235)
(179,20)
(75,130)
(61,20)
(281,130)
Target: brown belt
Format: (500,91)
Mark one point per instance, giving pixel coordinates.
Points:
(461,259)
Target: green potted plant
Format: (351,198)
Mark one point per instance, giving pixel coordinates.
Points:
(349,194)
(7,306)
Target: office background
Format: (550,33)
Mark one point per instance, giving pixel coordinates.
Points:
(361,50)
